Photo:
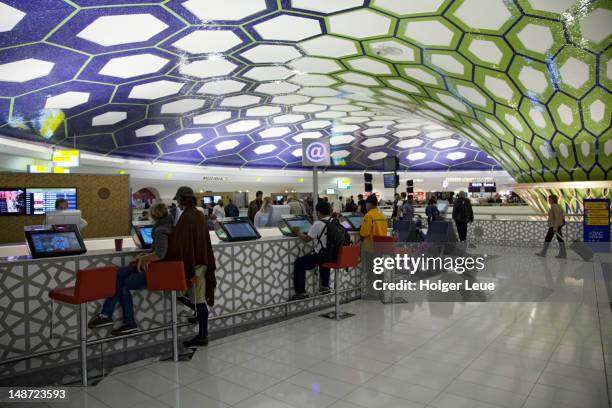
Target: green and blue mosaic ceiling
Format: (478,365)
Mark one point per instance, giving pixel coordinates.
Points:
(465,84)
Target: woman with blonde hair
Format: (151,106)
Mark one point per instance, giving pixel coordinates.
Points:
(262,217)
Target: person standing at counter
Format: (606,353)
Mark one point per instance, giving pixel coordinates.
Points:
(317,232)
(374,224)
(361,204)
(262,217)
(132,277)
(295,207)
(431,211)
(190,243)
(556,221)
(218,210)
(462,214)
(61,204)
(231,210)
(255,205)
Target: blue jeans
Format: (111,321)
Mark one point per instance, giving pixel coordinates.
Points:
(128,278)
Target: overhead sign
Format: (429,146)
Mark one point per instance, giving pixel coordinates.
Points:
(315,152)
(596,220)
(60,170)
(66,158)
(344,184)
(32,168)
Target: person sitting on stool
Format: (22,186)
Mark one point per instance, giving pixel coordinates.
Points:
(318,233)
(133,277)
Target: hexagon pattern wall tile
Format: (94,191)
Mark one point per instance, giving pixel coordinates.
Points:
(443,84)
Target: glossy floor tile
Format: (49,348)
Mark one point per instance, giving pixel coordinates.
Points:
(553,353)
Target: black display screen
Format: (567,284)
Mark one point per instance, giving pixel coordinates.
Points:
(240,230)
(390,180)
(12,201)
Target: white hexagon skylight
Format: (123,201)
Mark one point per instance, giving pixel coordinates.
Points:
(207,10)
(359,24)
(329,46)
(269,73)
(133,65)
(211,118)
(536,37)
(274,132)
(207,41)
(122,29)
(227,145)
(486,50)
(241,100)
(264,149)
(66,100)
(208,68)
(149,130)
(182,106)
(485,14)
(189,138)
(155,90)
(221,87)
(431,33)
(108,118)
(10,17)
(326,6)
(263,111)
(288,28)
(406,8)
(271,53)
(25,70)
(242,126)
(574,72)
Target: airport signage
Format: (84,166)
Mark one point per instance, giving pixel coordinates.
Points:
(596,220)
(316,152)
(66,158)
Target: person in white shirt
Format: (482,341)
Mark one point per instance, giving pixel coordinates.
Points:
(262,217)
(317,233)
(218,210)
(337,205)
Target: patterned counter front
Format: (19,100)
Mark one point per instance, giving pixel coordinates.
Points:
(250,275)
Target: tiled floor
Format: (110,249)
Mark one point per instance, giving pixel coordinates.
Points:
(459,355)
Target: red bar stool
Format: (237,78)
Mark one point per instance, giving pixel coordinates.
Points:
(168,276)
(348,257)
(91,284)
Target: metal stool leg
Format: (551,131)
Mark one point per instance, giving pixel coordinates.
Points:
(336,295)
(175,356)
(83,341)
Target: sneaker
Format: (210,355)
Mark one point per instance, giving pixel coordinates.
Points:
(196,342)
(99,321)
(299,296)
(124,329)
(323,290)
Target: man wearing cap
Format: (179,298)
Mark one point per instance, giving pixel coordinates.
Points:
(183,191)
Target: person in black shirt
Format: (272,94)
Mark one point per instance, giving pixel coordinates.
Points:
(361,204)
(462,214)
(231,210)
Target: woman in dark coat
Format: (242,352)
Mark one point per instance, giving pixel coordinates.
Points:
(190,243)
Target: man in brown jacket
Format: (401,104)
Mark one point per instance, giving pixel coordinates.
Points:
(556,221)
(190,243)
(255,205)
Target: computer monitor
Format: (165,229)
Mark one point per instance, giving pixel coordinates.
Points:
(207,200)
(39,201)
(143,237)
(63,217)
(12,201)
(390,180)
(236,230)
(351,222)
(56,240)
(276,214)
(490,187)
(286,225)
(442,206)
(216,199)
(330,191)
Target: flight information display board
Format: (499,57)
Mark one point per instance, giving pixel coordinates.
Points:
(39,201)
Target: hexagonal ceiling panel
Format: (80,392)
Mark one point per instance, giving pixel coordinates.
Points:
(443,84)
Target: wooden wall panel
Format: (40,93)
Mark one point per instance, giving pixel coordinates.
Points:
(106,217)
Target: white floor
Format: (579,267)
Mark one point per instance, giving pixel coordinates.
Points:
(442,355)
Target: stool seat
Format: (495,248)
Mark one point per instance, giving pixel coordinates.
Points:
(166,276)
(348,257)
(66,295)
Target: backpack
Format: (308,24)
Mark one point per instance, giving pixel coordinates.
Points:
(337,236)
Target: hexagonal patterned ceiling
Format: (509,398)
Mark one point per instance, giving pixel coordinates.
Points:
(443,84)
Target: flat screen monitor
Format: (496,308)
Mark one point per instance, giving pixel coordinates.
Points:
(442,206)
(390,180)
(57,240)
(351,222)
(390,163)
(216,199)
(489,187)
(63,217)
(144,236)
(207,200)
(39,201)
(303,224)
(475,187)
(330,191)
(12,201)
(237,230)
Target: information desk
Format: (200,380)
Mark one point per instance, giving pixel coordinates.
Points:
(251,275)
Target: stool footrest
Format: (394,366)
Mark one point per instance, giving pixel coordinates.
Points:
(341,315)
